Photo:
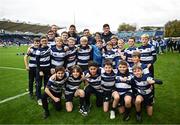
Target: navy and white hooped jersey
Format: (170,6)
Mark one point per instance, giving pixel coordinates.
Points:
(57,56)
(110,55)
(147,54)
(71,57)
(43,56)
(51,44)
(94,81)
(123,87)
(119,53)
(84,54)
(108,81)
(144,68)
(128,53)
(142,86)
(32,57)
(57,85)
(72,84)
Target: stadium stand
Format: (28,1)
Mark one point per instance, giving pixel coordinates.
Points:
(21,32)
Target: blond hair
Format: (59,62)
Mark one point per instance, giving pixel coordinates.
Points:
(145,36)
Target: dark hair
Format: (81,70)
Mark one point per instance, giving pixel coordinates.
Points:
(92,63)
(97,33)
(72,26)
(59,68)
(105,25)
(108,62)
(133,38)
(123,63)
(76,67)
(50,31)
(85,30)
(64,32)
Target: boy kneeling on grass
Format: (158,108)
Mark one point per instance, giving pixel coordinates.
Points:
(143,86)
(54,89)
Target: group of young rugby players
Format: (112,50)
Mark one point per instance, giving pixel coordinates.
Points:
(74,66)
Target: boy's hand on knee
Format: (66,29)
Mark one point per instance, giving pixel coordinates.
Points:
(56,99)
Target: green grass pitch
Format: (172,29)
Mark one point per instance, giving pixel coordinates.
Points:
(23,110)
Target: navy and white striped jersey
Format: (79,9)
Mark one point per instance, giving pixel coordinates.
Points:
(128,53)
(56,85)
(110,55)
(32,57)
(71,57)
(57,56)
(72,84)
(148,54)
(142,86)
(119,53)
(84,54)
(94,81)
(51,43)
(43,57)
(122,86)
(108,81)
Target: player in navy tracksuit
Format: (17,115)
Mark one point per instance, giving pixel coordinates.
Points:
(31,67)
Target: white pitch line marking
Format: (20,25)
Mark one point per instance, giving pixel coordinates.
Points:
(11,68)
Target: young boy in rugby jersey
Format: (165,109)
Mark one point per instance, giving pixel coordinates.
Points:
(124,88)
(51,38)
(31,66)
(114,40)
(71,53)
(53,90)
(143,85)
(136,56)
(64,36)
(148,53)
(93,84)
(120,51)
(129,51)
(72,89)
(107,82)
(109,54)
(58,54)
(84,53)
(43,66)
